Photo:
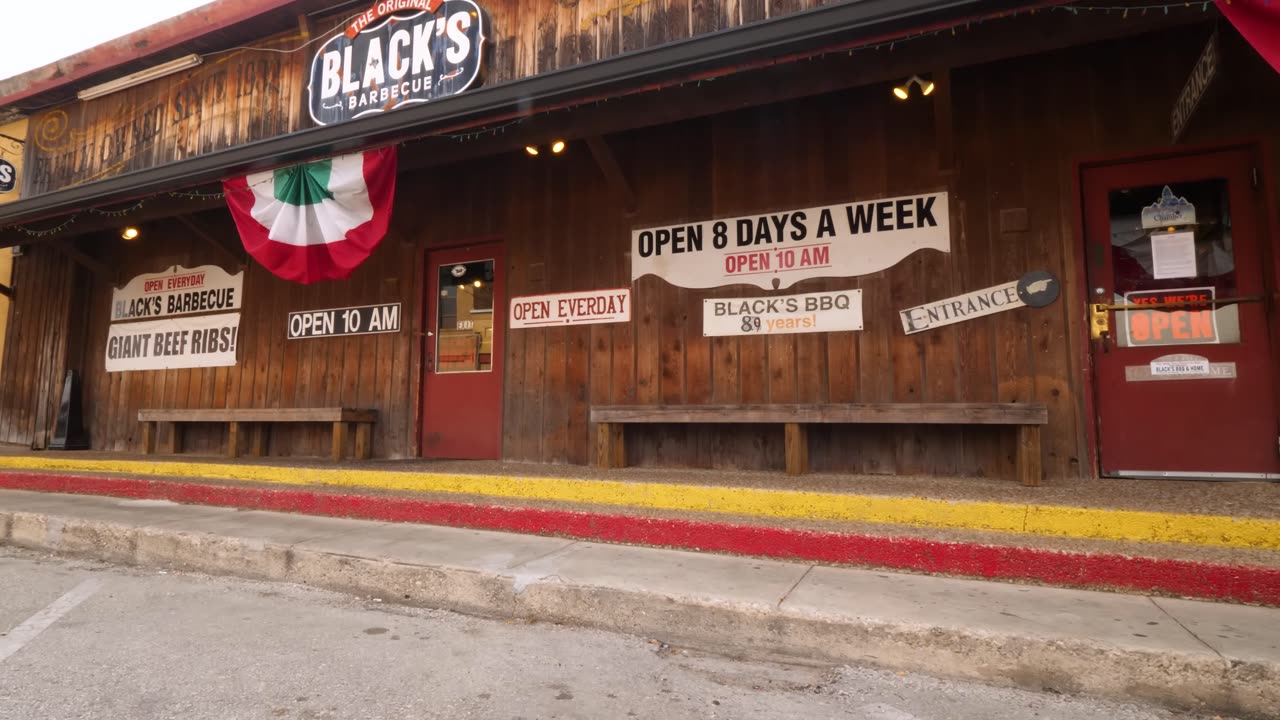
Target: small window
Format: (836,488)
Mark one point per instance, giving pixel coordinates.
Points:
(464,319)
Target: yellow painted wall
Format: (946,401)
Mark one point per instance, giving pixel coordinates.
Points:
(11,151)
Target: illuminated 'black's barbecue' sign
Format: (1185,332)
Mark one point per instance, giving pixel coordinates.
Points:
(396,53)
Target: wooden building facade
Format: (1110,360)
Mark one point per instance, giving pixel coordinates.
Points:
(1031,111)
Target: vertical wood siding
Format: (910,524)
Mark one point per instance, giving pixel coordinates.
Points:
(1020,128)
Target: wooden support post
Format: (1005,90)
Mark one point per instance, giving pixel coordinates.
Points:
(258,439)
(340,431)
(175,438)
(613,175)
(611,451)
(6,291)
(797,448)
(194,229)
(297,118)
(1028,460)
(233,439)
(148,438)
(364,441)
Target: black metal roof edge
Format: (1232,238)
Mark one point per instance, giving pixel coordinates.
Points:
(747,42)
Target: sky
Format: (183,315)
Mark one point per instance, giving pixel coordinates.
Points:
(74,25)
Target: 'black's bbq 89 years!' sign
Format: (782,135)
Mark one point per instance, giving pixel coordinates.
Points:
(395,53)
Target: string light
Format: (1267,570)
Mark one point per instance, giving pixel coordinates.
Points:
(118,213)
(48,231)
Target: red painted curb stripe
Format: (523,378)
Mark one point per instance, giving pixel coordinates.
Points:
(1244,583)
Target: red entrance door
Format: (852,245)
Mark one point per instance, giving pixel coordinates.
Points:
(1185,388)
(462,390)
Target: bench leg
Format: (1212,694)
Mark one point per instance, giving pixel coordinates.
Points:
(258,439)
(175,438)
(233,439)
(364,441)
(797,447)
(148,438)
(1028,461)
(611,450)
(340,431)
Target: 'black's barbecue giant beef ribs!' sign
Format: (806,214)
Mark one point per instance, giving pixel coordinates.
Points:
(396,53)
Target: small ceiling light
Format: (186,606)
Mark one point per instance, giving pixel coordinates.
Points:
(557,147)
(903,91)
(531,149)
(477,283)
(129,233)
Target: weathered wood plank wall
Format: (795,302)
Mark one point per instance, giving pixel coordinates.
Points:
(35,349)
(230,99)
(251,94)
(1016,147)
(364,371)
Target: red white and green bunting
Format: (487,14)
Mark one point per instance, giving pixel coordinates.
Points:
(318,220)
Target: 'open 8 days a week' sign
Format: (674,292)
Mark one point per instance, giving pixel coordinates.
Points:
(777,250)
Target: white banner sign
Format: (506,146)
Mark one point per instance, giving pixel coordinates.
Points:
(811,312)
(962,307)
(205,341)
(779,249)
(178,291)
(575,308)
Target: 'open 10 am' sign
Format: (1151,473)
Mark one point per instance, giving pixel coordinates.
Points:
(363,320)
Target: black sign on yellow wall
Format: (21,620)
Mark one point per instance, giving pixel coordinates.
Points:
(8,176)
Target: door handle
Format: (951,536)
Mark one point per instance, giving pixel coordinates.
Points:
(1099,321)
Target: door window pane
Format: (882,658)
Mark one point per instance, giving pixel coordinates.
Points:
(464,317)
(1172,243)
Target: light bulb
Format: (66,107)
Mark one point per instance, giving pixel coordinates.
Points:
(927,89)
(900,93)
(531,149)
(129,233)
(477,283)
(557,146)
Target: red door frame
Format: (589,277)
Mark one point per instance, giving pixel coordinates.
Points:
(1268,229)
(426,318)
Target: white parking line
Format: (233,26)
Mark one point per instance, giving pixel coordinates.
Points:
(36,624)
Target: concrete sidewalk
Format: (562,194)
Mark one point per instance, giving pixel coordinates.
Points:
(1184,654)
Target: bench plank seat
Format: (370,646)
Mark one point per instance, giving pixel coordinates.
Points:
(336,414)
(1027,417)
(851,413)
(258,421)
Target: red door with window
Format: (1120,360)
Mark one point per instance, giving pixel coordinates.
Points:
(462,389)
(1186,386)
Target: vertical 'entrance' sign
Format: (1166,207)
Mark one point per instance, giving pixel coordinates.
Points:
(396,53)
(1201,75)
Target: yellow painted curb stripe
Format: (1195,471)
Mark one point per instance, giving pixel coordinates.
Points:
(1049,520)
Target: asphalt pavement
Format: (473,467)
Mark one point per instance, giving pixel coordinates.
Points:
(81,639)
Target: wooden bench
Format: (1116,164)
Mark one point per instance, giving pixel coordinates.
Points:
(1027,417)
(258,421)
